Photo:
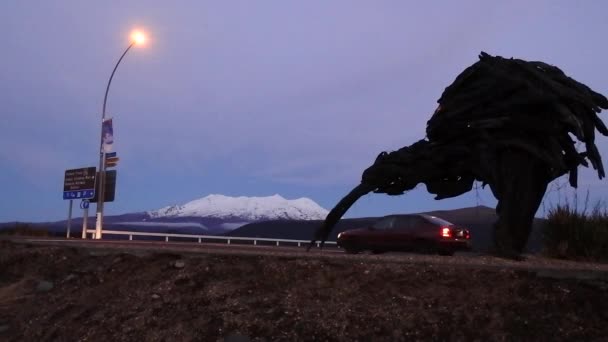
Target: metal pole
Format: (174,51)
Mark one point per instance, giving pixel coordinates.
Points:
(85,217)
(67,235)
(102,155)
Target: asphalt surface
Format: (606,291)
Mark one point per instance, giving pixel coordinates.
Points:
(542,266)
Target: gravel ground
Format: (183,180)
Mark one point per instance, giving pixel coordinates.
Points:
(55,293)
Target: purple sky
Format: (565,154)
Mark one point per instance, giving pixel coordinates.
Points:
(256,98)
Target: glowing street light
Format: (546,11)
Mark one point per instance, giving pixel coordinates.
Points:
(137,38)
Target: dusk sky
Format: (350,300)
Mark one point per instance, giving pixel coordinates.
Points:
(255,98)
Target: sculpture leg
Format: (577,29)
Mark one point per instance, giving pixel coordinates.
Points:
(522,183)
(528,208)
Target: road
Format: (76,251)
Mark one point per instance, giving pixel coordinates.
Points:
(543,266)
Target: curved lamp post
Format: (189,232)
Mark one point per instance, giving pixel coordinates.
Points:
(137,38)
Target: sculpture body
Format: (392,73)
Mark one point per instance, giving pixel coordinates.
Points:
(506,123)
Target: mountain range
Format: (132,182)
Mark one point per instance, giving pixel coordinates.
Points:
(245,208)
(212,215)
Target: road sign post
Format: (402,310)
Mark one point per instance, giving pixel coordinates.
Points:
(67,234)
(107,191)
(84,205)
(85,217)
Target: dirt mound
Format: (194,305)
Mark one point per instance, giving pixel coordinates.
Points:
(59,293)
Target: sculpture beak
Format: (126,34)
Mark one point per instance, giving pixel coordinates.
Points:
(338,211)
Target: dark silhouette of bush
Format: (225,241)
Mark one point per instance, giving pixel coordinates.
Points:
(576,234)
(24,229)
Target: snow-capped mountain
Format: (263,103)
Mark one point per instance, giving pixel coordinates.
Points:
(245,208)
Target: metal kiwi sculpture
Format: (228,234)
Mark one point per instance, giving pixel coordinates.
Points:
(503,122)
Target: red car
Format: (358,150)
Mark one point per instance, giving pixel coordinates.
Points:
(415,232)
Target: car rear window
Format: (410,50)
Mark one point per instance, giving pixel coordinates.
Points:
(385,223)
(437,220)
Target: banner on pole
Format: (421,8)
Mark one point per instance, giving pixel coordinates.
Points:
(107,139)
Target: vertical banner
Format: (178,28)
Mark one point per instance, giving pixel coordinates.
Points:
(107,139)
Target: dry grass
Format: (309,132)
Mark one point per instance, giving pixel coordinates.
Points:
(577,233)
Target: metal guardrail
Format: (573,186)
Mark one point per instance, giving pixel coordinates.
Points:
(206,237)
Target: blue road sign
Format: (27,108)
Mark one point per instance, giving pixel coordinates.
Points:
(84,204)
(79,194)
(79,183)
(110,154)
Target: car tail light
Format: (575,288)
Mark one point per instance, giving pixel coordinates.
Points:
(467,235)
(446,232)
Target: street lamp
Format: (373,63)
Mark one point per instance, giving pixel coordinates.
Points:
(137,38)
